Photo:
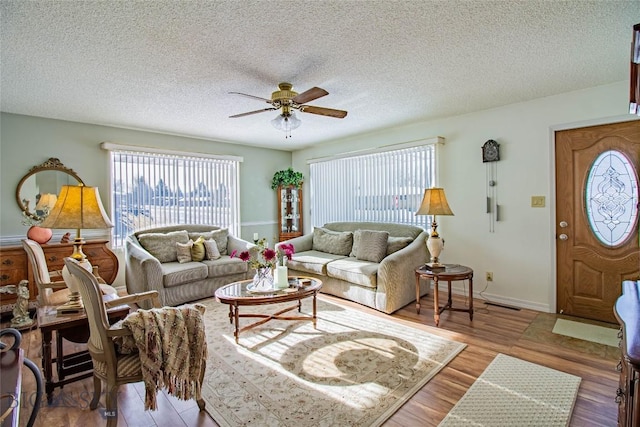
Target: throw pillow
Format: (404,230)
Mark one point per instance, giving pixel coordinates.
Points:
(211,249)
(197,250)
(163,245)
(394,244)
(183,251)
(332,242)
(220,236)
(371,245)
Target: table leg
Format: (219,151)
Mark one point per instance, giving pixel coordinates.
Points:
(436,306)
(471,297)
(449,301)
(59,356)
(299,306)
(417,293)
(314,309)
(46,364)
(236,333)
(231,314)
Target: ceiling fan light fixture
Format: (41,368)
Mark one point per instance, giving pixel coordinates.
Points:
(286,123)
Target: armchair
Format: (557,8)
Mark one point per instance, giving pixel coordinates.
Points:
(108,365)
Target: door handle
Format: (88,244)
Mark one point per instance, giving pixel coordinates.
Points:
(563,237)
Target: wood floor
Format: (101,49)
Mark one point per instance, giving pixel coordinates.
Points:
(494,330)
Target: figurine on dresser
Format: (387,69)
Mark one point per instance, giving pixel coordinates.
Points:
(21,319)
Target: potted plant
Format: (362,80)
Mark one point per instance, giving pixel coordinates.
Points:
(287,177)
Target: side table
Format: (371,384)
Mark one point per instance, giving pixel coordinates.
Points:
(73,327)
(450,273)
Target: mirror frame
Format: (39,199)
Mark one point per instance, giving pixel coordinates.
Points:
(53,164)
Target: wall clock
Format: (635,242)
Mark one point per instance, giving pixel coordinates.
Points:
(490,151)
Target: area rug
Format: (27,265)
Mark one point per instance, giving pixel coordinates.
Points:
(354,369)
(587,332)
(514,392)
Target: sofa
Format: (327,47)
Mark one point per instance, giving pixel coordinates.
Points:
(370,263)
(183,263)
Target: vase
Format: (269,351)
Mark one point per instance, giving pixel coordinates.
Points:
(263,279)
(281,278)
(39,234)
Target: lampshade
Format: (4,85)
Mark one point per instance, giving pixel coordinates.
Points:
(46,202)
(77,207)
(286,122)
(434,202)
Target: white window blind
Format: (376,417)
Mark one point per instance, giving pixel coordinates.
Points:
(381,186)
(156,189)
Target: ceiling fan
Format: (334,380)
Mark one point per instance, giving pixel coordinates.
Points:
(287,100)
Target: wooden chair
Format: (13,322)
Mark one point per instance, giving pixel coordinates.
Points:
(108,366)
(50,292)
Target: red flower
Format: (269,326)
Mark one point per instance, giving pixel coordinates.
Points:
(269,254)
(234,253)
(245,256)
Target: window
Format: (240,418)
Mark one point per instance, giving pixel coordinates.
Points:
(611,198)
(379,186)
(163,188)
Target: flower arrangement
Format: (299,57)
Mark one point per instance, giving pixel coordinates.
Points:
(261,256)
(285,250)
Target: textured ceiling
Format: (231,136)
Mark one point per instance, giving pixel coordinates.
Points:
(168,66)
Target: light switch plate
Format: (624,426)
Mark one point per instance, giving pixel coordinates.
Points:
(537,201)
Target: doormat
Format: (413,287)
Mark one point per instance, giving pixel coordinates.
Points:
(514,392)
(587,332)
(353,369)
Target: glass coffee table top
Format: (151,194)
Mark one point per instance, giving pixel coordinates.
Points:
(243,289)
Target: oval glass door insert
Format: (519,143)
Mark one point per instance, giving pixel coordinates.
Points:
(611,197)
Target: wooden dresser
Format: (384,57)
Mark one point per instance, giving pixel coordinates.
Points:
(627,311)
(14,265)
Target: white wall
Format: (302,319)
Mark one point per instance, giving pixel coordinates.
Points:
(521,250)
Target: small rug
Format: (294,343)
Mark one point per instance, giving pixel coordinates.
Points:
(587,332)
(513,392)
(355,369)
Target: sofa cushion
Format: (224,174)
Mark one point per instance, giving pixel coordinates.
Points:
(183,251)
(197,250)
(163,245)
(226,266)
(312,261)
(332,242)
(363,273)
(220,236)
(176,274)
(211,249)
(369,245)
(394,244)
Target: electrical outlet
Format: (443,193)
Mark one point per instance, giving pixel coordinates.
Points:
(489,276)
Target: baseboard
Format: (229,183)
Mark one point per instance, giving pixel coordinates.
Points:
(498,300)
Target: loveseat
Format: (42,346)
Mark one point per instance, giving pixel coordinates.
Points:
(163,259)
(370,263)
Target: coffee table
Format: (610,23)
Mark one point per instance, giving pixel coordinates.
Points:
(236,294)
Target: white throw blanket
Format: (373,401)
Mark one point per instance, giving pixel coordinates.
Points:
(173,349)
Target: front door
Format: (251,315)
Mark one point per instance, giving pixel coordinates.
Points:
(596,213)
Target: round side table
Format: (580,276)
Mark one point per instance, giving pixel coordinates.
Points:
(450,273)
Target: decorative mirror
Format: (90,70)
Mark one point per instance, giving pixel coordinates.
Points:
(38,190)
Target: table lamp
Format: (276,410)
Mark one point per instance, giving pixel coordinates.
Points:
(434,203)
(78,207)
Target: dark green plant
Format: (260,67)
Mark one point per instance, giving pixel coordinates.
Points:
(287,177)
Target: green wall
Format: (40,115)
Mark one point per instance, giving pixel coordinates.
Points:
(27,141)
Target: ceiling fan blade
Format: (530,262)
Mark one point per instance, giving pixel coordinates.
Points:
(309,95)
(268,101)
(252,112)
(339,114)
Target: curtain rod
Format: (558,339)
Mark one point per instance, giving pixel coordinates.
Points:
(381,149)
(110,146)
